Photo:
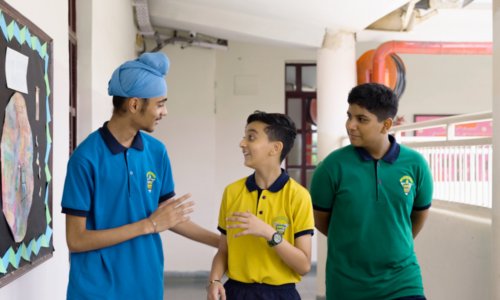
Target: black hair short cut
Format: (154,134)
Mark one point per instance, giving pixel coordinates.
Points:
(279,128)
(119,102)
(376,98)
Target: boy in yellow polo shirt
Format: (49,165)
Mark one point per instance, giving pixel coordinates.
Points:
(266,220)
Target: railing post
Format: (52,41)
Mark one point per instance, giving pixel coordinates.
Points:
(397,135)
(450,132)
(495,210)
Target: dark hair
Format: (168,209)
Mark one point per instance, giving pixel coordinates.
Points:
(279,128)
(376,98)
(119,102)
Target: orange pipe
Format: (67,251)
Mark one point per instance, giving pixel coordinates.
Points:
(423,48)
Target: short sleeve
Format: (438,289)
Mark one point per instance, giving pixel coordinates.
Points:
(167,184)
(322,189)
(303,217)
(78,188)
(424,188)
(222,214)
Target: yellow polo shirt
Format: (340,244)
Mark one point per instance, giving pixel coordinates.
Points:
(286,206)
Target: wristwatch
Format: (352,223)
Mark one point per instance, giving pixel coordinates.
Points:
(275,240)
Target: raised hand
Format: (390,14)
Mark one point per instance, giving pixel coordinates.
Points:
(171,213)
(214,290)
(252,225)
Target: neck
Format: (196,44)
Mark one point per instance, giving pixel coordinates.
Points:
(379,148)
(266,176)
(122,130)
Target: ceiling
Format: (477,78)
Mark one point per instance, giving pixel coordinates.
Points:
(303,23)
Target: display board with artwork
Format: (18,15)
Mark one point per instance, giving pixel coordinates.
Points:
(25,145)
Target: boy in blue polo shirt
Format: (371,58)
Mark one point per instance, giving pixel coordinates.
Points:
(371,199)
(119,193)
(266,220)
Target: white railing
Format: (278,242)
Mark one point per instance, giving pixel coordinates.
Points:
(461,166)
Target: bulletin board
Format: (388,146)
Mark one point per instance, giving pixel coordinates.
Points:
(25,141)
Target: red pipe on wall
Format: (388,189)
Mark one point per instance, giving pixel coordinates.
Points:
(423,48)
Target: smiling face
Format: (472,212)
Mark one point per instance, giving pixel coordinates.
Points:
(147,114)
(257,149)
(363,127)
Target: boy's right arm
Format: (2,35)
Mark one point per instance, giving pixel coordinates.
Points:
(323,196)
(167,215)
(219,268)
(322,221)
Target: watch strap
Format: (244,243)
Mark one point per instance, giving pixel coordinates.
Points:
(272,243)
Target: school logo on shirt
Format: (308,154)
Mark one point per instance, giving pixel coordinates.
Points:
(407,183)
(281,223)
(151,178)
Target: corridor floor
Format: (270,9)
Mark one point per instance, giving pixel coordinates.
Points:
(194,289)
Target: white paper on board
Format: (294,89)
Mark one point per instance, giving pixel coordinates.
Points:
(16,68)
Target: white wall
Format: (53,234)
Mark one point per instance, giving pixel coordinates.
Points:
(106,38)
(49,280)
(443,84)
(454,252)
(188,132)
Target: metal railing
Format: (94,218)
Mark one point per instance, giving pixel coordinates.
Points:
(461,165)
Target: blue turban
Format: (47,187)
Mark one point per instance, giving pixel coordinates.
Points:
(141,78)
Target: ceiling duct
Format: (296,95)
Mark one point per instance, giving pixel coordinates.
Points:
(414,13)
(449,4)
(146,30)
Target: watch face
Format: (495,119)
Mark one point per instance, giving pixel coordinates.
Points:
(277,238)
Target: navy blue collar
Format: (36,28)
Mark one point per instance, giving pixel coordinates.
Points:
(274,188)
(114,146)
(389,157)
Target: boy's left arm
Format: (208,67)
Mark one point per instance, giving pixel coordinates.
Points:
(423,198)
(418,219)
(187,229)
(196,233)
(297,257)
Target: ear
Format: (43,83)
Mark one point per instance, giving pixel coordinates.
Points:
(134,105)
(277,147)
(387,125)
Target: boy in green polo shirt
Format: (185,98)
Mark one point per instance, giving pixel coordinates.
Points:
(371,199)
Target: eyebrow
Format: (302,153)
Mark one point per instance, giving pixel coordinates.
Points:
(252,130)
(363,116)
(163,100)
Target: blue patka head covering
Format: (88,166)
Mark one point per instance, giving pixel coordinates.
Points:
(141,78)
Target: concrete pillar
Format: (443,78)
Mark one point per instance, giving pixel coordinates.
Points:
(336,77)
(495,211)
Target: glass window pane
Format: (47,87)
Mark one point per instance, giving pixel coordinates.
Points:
(312,149)
(290,78)
(295,111)
(295,174)
(295,155)
(309,176)
(309,79)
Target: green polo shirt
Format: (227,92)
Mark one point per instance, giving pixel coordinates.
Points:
(370,241)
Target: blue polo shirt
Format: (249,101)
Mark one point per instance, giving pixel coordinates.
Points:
(113,186)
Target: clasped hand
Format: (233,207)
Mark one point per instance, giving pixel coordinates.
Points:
(252,225)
